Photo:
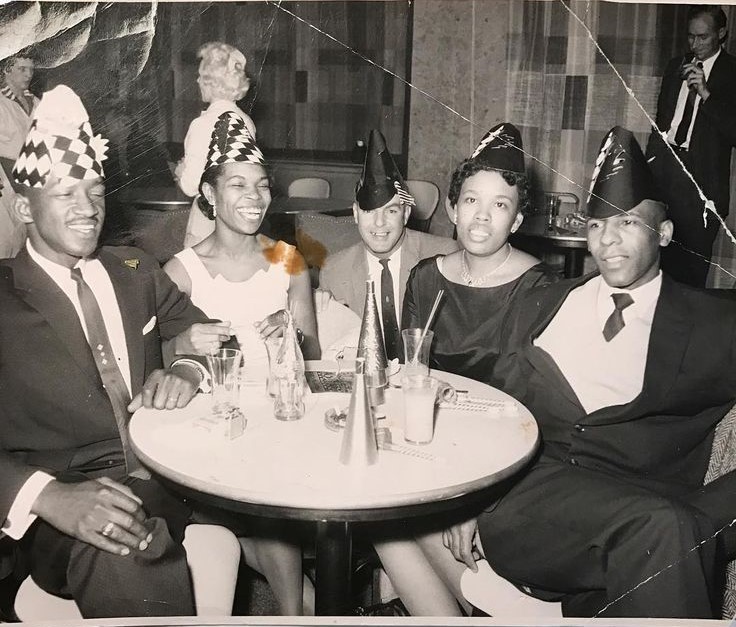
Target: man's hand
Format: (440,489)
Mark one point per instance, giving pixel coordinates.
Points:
(696,79)
(272,325)
(459,539)
(202,338)
(322,299)
(103,513)
(167,389)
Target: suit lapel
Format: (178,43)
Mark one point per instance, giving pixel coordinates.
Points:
(127,291)
(40,291)
(357,275)
(539,359)
(409,258)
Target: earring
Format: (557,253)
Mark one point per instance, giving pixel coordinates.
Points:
(214,211)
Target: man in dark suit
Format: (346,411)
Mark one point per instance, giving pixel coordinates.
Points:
(388,250)
(696,113)
(80,336)
(627,373)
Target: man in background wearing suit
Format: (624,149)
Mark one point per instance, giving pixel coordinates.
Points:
(696,112)
(388,250)
(627,373)
(80,336)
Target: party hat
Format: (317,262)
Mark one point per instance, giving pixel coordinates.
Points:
(380,180)
(621,177)
(60,142)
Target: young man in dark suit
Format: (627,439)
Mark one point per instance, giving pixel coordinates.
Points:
(80,336)
(696,113)
(627,373)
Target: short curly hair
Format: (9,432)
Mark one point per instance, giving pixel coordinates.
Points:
(469,167)
(210,176)
(222,72)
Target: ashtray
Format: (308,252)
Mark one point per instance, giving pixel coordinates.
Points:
(335,419)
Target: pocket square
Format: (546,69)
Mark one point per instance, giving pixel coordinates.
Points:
(149,325)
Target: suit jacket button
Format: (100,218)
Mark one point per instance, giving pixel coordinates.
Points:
(573,461)
(579,428)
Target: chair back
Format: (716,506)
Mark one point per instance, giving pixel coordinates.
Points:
(427,196)
(319,235)
(309,188)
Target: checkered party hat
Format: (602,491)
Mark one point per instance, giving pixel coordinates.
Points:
(380,180)
(60,142)
(231,142)
(501,149)
(621,177)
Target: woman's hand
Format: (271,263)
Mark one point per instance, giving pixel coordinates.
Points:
(202,338)
(272,325)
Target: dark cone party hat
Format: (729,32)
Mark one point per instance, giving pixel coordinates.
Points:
(621,177)
(60,142)
(501,149)
(380,180)
(232,142)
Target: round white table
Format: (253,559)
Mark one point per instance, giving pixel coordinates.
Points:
(291,469)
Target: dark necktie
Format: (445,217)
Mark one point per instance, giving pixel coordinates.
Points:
(615,321)
(687,115)
(112,378)
(388,312)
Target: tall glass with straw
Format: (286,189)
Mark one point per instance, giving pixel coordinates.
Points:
(417,343)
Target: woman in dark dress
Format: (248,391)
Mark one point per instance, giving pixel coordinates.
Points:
(484,279)
(483,282)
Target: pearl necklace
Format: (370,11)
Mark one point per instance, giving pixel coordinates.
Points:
(468,278)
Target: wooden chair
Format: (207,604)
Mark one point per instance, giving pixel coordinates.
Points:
(494,595)
(213,554)
(427,196)
(309,188)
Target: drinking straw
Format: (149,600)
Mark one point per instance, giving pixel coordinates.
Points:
(432,312)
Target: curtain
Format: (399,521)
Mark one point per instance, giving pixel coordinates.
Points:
(565,96)
(563,93)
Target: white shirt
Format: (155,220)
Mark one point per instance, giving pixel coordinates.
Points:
(601,373)
(19,517)
(14,123)
(374,274)
(682,98)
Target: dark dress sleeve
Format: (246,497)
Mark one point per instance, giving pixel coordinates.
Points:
(415,309)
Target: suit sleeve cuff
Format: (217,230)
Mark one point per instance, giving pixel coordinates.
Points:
(204,374)
(20,517)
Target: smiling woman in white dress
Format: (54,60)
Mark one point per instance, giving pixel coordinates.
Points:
(247,281)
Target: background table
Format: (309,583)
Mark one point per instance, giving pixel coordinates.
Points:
(291,469)
(572,243)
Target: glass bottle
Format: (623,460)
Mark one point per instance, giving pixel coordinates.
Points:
(288,373)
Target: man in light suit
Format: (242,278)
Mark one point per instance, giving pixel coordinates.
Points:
(80,336)
(696,111)
(627,373)
(388,250)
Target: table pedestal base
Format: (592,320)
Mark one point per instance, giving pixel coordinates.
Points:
(333,569)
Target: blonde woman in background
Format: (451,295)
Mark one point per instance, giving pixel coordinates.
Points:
(222,81)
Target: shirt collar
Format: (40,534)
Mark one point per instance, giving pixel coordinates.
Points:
(10,94)
(220,106)
(708,64)
(55,270)
(645,299)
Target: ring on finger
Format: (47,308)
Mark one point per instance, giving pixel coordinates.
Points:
(107,529)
